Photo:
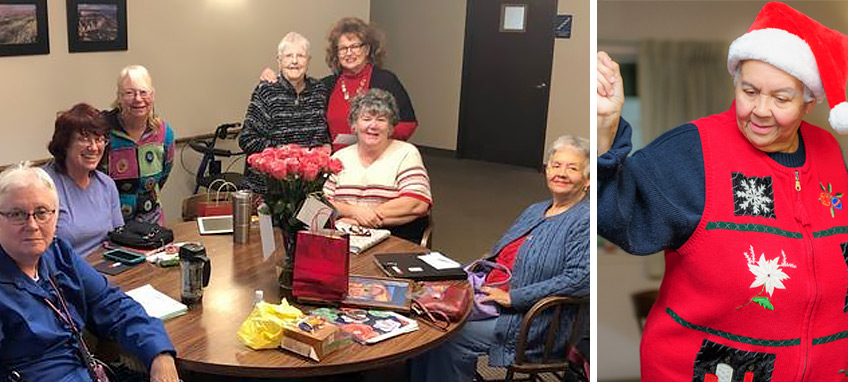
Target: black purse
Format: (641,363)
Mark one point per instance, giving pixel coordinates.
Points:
(142,235)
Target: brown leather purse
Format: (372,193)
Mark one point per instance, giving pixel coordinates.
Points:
(445,297)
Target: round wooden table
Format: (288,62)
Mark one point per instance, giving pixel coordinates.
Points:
(205,337)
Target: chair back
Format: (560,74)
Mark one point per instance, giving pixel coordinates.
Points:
(642,303)
(551,362)
(427,238)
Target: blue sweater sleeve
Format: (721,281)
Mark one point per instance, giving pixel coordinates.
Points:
(654,199)
(572,281)
(118,316)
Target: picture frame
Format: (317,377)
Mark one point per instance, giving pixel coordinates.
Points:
(563,26)
(379,293)
(97,25)
(23,27)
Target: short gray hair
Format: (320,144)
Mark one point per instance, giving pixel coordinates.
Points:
(808,94)
(375,102)
(25,175)
(571,142)
(292,38)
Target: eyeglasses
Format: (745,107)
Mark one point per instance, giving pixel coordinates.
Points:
(20,217)
(132,93)
(87,139)
(352,48)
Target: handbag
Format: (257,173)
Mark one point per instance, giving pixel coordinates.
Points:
(445,297)
(143,235)
(96,368)
(321,265)
(477,273)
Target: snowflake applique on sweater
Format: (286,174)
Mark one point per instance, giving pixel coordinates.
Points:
(753,196)
(768,275)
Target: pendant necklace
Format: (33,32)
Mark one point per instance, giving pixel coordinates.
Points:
(357,91)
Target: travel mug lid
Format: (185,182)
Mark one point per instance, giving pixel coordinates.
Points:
(192,250)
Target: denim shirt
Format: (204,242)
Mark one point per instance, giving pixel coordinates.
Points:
(35,342)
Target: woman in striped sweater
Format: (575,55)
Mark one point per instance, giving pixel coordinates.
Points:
(384,182)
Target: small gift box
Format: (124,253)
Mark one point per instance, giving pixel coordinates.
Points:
(314,340)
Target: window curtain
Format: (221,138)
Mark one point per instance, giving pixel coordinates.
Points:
(679,81)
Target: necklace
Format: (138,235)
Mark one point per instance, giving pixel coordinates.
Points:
(357,91)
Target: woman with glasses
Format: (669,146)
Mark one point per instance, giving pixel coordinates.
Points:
(89,206)
(355,53)
(50,295)
(141,150)
(290,110)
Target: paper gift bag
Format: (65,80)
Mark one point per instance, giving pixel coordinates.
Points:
(321,265)
(215,203)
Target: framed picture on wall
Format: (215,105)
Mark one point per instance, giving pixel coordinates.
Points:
(23,27)
(97,25)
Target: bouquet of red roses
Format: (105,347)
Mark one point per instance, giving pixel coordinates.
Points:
(292,173)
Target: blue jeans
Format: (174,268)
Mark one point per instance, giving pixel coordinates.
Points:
(456,359)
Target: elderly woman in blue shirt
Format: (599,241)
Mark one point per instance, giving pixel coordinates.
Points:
(547,250)
(89,206)
(49,294)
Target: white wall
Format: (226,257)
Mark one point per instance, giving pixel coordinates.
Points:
(425,51)
(625,22)
(205,57)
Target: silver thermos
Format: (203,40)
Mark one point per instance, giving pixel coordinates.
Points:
(241,215)
(195,269)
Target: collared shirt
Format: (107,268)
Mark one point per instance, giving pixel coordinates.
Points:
(39,345)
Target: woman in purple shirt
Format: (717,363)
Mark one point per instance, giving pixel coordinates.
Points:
(89,206)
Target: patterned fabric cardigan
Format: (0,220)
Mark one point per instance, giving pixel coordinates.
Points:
(553,261)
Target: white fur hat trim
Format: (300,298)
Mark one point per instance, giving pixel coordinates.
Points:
(839,118)
(782,49)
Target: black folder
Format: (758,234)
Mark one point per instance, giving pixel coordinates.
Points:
(409,266)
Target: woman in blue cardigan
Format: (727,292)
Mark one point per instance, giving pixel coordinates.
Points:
(547,250)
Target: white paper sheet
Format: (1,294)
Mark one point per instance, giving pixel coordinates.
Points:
(439,261)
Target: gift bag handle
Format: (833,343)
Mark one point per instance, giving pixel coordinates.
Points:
(224,185)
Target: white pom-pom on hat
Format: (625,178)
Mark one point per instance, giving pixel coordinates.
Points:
(812,53)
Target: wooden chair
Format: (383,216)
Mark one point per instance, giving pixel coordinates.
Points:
(642,303)
(553,367)
(427,238)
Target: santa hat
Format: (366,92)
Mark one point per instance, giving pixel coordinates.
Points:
(800,46)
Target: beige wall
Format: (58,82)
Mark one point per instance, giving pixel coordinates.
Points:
(425,45)
(205,57)
(626,22)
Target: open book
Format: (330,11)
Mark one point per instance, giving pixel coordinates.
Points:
(156,303)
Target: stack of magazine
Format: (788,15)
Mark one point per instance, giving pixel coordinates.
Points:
(368,326)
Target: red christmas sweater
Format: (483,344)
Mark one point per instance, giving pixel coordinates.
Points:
(759,292)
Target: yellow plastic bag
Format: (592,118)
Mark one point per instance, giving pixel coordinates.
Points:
(263,328)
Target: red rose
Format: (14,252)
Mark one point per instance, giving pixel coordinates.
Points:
(292,165)
(277,170)
(310,171)
(336,166)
